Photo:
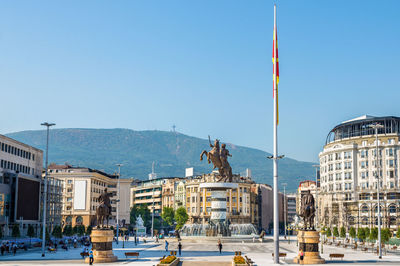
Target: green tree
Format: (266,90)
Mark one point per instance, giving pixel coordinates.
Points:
(47,235)
(75,230)
(31,231)
(57,232)
(181,217)
(15,231)
(328,232)
(367,232)
(133,215)
(342,232)
(398,232)
(168,215)
(374,234)
(386,234)
(352,232)
(335,231)
(361,234)
(80,230)
(89,230)
(68,230)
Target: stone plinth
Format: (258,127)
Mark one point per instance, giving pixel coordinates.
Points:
(308,243)
(102,246)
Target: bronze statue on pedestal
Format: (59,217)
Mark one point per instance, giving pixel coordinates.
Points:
(219,158)
(308,210)
(103,211)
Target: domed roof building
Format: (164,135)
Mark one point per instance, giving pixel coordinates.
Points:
(348,183)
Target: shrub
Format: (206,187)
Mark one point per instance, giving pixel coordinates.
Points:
(328,232)
(15,231)
(398,232)
(367,232)
(342,232)
(361,234)
(386,234)
(168,260)
(352,232)
(374,234)
(335,231)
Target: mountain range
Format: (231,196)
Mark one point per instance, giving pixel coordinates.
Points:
(172,152)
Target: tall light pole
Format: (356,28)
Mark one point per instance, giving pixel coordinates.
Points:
(48,125)
(152,217)
(119,175)
(316,195)
(376,126)
(275,159)
(284,205)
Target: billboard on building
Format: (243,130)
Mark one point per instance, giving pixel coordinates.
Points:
(28,199)
(189,171)
(80,195)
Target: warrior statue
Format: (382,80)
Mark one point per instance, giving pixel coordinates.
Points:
(219,158)
(308,210)
(103,211)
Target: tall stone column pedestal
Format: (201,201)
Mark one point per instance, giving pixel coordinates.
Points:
(102,246)
(308,243)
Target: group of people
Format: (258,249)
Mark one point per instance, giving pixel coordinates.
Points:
(11,247)
(180,246)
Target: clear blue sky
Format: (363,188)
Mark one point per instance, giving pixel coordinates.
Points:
(202,65)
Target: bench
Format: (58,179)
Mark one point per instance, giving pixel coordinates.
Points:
(173,253)
(132,254)
(84,254)
(394,248)
(336,255)
(249,261)
(280,255)
(364,249)
(238,253)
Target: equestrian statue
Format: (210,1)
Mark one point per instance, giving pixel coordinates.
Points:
(308,210)
(103,211)
(219,158)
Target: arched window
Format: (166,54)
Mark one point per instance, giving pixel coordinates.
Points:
(68,220)
(392,208)
(376,208)
(364,209)
(79,220)
(364,221)
(376,221)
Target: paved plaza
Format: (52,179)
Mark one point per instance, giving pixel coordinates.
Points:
(199,252)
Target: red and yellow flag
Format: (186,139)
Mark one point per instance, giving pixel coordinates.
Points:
(275,50)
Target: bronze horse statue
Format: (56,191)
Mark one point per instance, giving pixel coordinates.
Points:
(214,157)
(103,213)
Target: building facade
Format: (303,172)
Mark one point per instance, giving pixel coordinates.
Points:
(54,202)
(81,190)
(21,168)
(291,200)
(348,192)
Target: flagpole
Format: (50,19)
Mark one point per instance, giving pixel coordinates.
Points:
(275,158)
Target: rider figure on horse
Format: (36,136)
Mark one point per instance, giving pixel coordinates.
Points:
(104,199)
(308,209)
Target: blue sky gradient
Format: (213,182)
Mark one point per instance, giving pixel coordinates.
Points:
(202,65)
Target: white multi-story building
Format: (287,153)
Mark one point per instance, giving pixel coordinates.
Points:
(348,192)
(20,177)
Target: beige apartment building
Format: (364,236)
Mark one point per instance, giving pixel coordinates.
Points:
(81,189)
(20,178)
(349,174)
(148,193)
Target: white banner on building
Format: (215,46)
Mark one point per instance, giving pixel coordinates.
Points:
(80,195)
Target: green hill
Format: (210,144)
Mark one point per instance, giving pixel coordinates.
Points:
(173,152)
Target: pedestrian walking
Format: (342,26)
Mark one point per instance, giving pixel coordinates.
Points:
(91,257)
(219,246)
(301,255)
(14,248)
(166,245)
(2,249)
(180,248)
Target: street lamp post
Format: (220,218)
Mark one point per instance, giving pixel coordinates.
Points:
(152,217)
(119,175)
(48,125)
(376,126)
(275,159)
(284,206)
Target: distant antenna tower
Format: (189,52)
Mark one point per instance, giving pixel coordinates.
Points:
(173,128)
(153,175)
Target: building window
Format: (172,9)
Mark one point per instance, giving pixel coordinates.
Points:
(392,209)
